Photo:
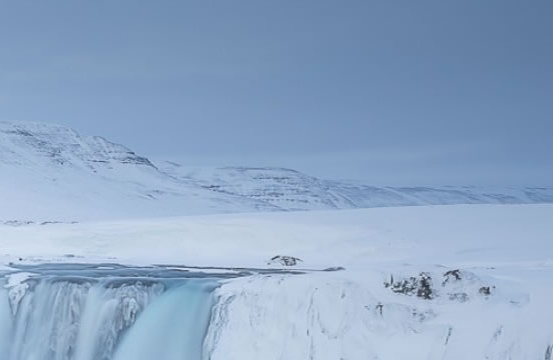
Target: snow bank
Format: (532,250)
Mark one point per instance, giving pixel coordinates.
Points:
(352,316)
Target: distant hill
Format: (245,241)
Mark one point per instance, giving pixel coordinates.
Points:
(51,173)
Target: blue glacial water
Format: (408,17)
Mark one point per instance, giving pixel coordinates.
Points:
(105,312)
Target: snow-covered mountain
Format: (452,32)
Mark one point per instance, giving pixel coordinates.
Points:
(292,190)
(89,177)
(51,172)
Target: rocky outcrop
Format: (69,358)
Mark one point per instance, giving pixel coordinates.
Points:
(457,285)
(284,260)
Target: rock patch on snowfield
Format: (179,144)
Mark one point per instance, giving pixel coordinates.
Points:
(284,260)
(457,285)
(420,286)
(16,223)
(335,268)
(485,290)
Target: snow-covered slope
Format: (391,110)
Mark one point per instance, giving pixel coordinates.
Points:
(92,178)
(49,172)
(292,190)
(284,188)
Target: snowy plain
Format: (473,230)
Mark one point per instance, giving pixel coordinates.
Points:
(490,269)
(455,234)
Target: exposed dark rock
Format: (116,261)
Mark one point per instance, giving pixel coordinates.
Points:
(460,296)
(458,285)
(452,275)
(449,332)
(422,316)
(484,290)
(17,222)
(420,286)
(284,260)
(334,268)
(425,287)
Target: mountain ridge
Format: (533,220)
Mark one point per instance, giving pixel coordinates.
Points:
(50,172)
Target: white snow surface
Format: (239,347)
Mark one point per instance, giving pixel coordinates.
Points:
(288,189)
(499,308)
(476,234)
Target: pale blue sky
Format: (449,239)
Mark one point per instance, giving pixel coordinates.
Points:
(394,92)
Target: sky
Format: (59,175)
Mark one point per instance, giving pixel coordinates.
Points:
(390,92)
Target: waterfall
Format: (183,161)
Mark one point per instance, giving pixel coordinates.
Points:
(171,328)
(104,318)
(5,320)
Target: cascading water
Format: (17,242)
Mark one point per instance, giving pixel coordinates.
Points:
(182,315)
(57,316)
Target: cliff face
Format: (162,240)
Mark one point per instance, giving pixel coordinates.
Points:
(36,143)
